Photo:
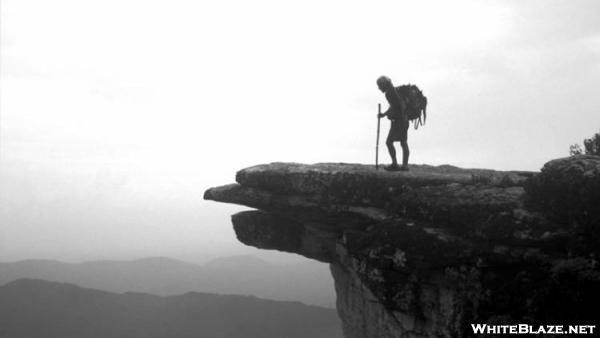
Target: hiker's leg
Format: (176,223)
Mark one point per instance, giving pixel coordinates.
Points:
(405,153)
(390,145)
(404,144)
(392,136)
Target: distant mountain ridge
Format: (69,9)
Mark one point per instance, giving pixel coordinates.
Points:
(40,309)
(309,282)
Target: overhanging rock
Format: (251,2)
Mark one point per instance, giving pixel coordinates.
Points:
(426,252)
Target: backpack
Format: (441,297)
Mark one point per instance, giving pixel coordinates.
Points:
(416,103)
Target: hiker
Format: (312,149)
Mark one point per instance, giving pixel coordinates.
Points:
(397,114)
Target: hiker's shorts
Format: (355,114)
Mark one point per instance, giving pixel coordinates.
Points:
(398,131)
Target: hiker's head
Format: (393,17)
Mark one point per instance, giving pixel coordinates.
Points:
(384,82)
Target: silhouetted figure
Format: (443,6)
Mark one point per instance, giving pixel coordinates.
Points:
(396,113)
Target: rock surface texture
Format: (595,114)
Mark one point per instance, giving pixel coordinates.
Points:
(425,253)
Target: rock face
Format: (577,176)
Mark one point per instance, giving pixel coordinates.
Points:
(427,252)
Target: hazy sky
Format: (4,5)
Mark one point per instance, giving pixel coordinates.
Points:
(115,116)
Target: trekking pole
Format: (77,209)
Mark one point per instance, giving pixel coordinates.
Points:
(377,142)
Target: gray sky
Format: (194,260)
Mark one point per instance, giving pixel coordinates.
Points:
(115,116)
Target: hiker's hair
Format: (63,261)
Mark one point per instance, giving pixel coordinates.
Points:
(383,81)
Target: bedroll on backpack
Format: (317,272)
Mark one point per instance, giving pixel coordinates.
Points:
(416,103)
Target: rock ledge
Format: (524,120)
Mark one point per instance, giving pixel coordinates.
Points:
(426,252)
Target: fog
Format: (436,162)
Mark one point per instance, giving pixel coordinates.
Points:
(115,116)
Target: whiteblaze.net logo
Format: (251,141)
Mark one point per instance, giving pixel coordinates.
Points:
(532,329)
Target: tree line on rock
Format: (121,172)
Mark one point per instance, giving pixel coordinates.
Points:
(591,146)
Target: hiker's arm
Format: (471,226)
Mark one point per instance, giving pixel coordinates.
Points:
(390,101)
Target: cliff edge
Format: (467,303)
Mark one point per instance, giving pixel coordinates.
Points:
(428,252)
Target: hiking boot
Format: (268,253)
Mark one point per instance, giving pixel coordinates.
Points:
(392,167)
(404,168)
